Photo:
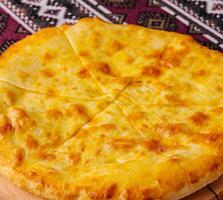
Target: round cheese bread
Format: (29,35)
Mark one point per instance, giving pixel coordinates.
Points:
(102,111)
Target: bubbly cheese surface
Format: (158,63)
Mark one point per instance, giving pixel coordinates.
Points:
(102,111)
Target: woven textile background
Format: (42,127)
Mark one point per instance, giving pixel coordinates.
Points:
(203,19)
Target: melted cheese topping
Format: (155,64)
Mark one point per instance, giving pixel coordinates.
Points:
(102,111)
(48,65)
(116,54)
(38,122)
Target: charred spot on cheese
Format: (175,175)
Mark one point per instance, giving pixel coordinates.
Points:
(82,146)
(23,75)
(48,56)
(19,113)
(155,146)
(129,60)
(19,118)
(106,192)
(83,73)
(214,137)
(9,98)
(116,45)
(214,166)
(47,73)
(146,194)
(218,110)
(151,72)
(109,191)
(56,139)
(199,118)
(156,54)
(94,39)
(76,110)
(123,143)
(31,143)
(175,100)
(5,126)
(163,86)
(104,67)
(199,73)
(50,92)
(54,114)
(192,177)
(133,193)
(210,138)
(219,87)
(98,152)
(136,83)
(129,194)
(47,156)
(53,139)
(73,195)
(169,129)
(84,53)
(19,156)
(34,176)
(31,175)
(102,136)
(136,116)
(173,57)
(82,133)
(74,157)
(108,126)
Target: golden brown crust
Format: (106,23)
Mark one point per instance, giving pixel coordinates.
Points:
(119,118)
